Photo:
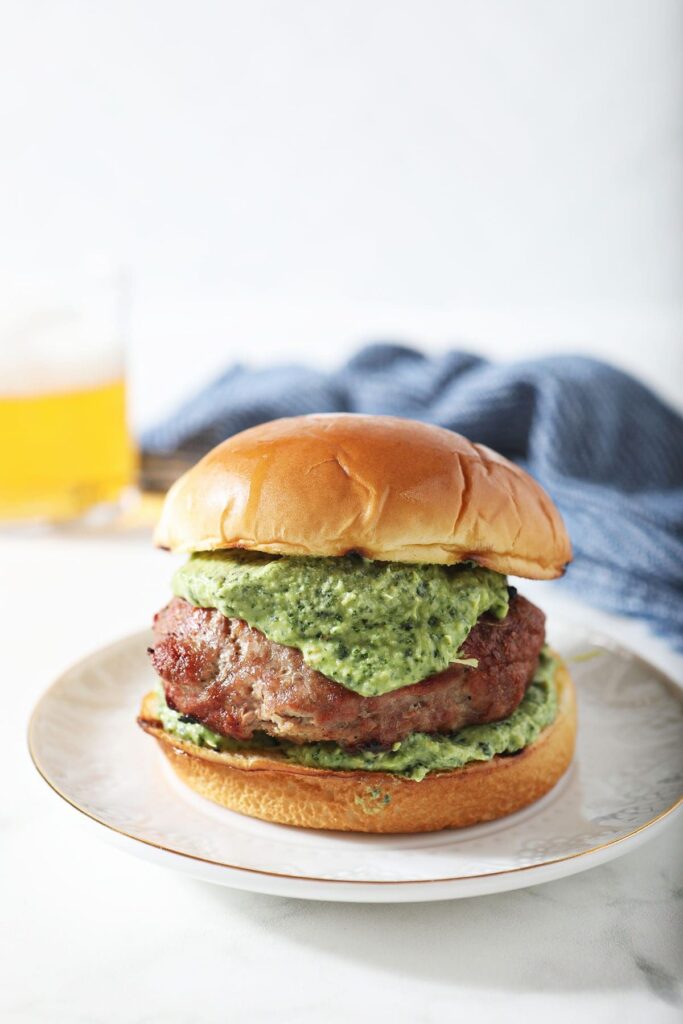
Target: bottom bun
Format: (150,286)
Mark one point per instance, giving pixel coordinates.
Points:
(267,786)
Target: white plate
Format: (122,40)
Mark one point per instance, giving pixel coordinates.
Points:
(625,785)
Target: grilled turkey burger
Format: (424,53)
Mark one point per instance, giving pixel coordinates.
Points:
(343,650)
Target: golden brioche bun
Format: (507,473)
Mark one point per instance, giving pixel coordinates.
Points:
(267,786)
(390,489)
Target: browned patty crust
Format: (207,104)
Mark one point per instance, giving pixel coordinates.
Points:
(231,678)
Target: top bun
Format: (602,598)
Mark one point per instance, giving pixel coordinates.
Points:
(390,489)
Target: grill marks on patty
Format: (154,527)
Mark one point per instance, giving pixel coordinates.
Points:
(231,678)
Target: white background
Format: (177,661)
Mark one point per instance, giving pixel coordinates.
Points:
(291,178)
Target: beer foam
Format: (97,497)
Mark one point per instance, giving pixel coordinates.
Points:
(56,348)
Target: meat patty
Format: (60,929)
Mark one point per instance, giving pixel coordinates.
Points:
(231,678)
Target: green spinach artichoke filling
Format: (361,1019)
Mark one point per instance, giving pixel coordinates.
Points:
(415,756)
(371,626)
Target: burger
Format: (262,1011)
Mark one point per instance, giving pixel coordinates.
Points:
(343,649)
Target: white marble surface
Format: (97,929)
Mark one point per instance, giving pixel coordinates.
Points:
(91,935)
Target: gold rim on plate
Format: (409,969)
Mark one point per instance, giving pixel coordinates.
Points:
(602,641)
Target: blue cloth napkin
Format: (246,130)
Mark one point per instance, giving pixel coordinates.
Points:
(608,451)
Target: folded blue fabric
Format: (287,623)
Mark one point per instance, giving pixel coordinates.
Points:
(608,451)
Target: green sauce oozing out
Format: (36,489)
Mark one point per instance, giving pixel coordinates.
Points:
(416,755)
(371,626)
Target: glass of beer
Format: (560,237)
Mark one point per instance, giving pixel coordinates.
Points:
(65,447)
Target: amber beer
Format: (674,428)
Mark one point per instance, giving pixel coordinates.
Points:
(63,451)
